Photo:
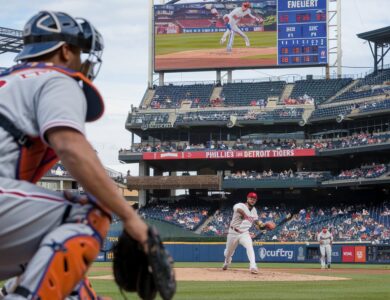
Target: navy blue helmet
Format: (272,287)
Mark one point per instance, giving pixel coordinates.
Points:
(47,31)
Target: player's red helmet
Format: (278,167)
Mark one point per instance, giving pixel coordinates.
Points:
(246,4)
(252,195)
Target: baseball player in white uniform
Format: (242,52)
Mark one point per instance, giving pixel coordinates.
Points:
(325,238)
(245,214)
(231,21)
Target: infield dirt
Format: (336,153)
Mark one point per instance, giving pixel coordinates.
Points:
(216,274)
(216,58)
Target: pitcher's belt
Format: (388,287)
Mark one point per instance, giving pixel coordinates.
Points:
(236,229)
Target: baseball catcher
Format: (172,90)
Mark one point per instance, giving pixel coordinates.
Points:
(48,240)
(144,268)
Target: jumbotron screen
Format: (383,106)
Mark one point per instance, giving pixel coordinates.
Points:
(205,35)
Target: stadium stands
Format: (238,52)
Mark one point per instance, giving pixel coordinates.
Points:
(355,140)
(367,171)
(320,90)
(198,23)
(369,86)
(332,111)
(149,120)
(171,96)
(188,217)
(246,94)
(347,223)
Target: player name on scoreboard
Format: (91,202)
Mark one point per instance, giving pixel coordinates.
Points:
(231,154)
(302,3)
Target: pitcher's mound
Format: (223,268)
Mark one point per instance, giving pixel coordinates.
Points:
(216,274)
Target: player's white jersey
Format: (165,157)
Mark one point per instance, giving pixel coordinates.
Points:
(238,222)
(326,238)
(238,13)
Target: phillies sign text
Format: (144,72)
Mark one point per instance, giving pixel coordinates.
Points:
(230,154)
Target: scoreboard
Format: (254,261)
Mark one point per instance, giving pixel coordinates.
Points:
(187,35)
(302,32)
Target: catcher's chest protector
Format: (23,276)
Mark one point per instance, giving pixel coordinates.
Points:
(36,158)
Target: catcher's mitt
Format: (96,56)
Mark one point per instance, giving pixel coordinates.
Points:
(146,274)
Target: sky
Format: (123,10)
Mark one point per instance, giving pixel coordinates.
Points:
(124,74)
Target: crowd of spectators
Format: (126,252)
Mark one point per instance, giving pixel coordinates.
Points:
(355,140)
(305,99)
(270,174)
(365,171)
(347,223)
(187,217)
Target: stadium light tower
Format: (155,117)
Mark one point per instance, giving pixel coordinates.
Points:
(10,40)
(334,37)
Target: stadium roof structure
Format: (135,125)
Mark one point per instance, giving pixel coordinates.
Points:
(11,40)
(381,40)
(381,35)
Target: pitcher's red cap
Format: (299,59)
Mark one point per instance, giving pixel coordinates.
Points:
(252,195)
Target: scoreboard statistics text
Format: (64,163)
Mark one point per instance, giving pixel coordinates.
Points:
(302,32)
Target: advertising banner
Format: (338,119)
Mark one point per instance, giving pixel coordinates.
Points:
(360,254)
(348,253)
(276,253)
(240,154)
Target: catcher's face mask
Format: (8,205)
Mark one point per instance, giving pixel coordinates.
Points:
(92,50)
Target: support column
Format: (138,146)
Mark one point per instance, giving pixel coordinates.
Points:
(299,166)
(230,76)
(173,192)
(143,171)
(219,82)
(161,79)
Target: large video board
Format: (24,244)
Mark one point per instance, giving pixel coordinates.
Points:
(204,35)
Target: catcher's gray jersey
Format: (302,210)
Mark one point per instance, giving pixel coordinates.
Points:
(36,100)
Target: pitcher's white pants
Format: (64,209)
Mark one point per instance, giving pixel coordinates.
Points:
(326,250)
(235,238)
(234,30)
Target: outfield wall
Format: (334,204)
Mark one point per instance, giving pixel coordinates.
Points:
(274,252)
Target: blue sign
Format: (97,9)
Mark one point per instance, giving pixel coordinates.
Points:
(302,32)
(277,253)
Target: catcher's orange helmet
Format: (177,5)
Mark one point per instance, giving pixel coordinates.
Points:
(246,4)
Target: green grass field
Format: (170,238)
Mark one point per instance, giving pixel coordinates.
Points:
(171,43)
(363,284)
